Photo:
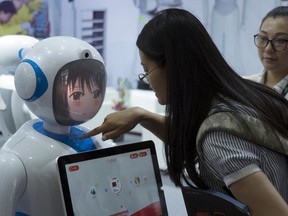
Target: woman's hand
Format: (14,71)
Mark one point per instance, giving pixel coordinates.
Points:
(117,123)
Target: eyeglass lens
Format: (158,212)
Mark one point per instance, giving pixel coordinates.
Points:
(143,77)
(278,44)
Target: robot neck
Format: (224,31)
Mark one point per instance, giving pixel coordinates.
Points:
(57,129)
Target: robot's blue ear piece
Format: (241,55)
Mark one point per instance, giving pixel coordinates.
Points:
(30,81)
(22,52)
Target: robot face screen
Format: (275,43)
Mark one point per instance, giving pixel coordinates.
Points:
(78,91)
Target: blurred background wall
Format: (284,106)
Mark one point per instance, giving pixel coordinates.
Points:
(112,27)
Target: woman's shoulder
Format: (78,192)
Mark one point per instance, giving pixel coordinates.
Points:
(237,119)
(225,104)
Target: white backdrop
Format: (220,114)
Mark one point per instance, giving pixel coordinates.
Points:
(231,23)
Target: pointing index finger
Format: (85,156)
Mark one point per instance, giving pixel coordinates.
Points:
(93,132)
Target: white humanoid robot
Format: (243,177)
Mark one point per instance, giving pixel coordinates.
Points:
(62,81)
(13,112)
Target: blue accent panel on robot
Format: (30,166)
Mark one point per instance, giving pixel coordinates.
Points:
(41,81)
(72,139)
(20,53)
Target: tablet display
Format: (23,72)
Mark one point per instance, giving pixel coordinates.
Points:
(119,181)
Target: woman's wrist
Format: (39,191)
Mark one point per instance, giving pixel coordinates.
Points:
(140,113)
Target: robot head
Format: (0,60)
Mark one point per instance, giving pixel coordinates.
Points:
(13,50)
(62,80)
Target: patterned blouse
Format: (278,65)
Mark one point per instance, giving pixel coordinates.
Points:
(229,158)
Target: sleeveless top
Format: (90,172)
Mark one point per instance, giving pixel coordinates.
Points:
(227,158)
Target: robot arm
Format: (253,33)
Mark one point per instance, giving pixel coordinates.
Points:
(12,184)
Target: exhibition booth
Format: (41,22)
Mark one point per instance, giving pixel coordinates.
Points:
(37,55)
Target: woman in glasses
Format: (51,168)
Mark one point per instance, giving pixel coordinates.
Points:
(189,75)
(271,42)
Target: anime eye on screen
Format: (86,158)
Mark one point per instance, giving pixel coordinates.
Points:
(78,91)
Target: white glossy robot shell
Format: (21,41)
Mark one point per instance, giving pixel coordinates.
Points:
(13,48)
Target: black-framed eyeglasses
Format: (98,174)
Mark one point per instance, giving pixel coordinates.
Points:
(278,44)
(144,76)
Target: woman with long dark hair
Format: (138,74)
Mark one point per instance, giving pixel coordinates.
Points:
(189,75)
